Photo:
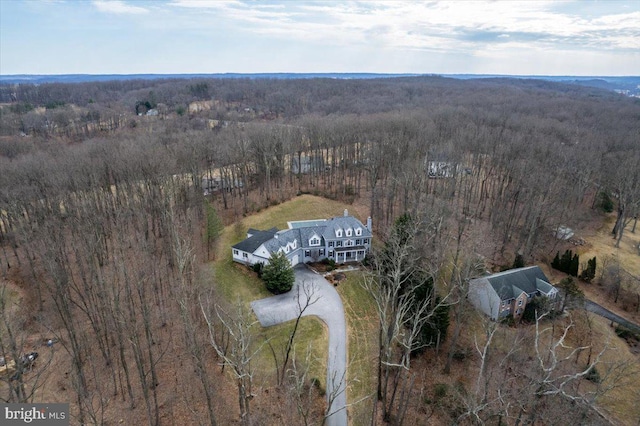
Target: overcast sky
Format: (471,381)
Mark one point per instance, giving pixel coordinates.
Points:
(249,36)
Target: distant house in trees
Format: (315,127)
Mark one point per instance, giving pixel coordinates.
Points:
(440,166)
(507,293)
(563,232)
(306,164)
(341,239)
(215,184)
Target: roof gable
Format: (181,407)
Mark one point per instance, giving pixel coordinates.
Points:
(256,239)
(281,239)
(343,223)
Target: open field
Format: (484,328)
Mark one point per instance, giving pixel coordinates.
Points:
(602,245)
(621,402)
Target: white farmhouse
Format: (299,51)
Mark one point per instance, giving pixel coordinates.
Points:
(342,239)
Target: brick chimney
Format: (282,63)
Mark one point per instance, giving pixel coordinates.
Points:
(369,224)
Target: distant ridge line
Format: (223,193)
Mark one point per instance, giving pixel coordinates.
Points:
(629,83)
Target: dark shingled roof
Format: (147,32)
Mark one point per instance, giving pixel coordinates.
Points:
(344,223)
(256,240)
(521,278)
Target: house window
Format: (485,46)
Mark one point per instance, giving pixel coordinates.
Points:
(314,241)
(321,252)
(245,255)
(366,241)
(330,243)
(358,231)
(338,243)
(330,253)
(357,242)
(339,233)
(348,232)
(307,253)
(235,252)
(348,243)
(520,302)
(294,244)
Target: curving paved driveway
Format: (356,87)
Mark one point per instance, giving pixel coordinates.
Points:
(325,303)
(604,312)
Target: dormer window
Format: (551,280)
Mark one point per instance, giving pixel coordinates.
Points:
(358,231)
(349,232)
(314,241)
(338,232)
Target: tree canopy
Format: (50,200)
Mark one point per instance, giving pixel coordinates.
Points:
(278,274)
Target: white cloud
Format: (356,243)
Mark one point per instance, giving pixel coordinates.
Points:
(118,7)
(457,25)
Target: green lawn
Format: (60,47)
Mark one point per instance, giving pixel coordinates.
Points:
(237,283)
(362,332)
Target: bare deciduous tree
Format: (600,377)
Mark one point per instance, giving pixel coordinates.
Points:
(242,350)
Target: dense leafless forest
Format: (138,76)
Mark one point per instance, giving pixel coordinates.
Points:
(108,191)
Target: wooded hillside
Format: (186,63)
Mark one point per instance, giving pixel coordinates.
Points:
(104,189)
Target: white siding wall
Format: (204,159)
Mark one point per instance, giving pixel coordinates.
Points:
(484,298)
(262,252)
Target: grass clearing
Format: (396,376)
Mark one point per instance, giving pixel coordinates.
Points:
(602,245)
(236,282)
(362,332)
(621,366)
(311,341)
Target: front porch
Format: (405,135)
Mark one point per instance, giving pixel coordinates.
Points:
(349,254)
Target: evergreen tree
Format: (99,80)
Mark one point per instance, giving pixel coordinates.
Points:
(568,263)
(590,272)
(574,265)
(572,294)
(434,331)
(278,274)
(416,283)
(565,261)
(605,202)
(518,262)
(555,264)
